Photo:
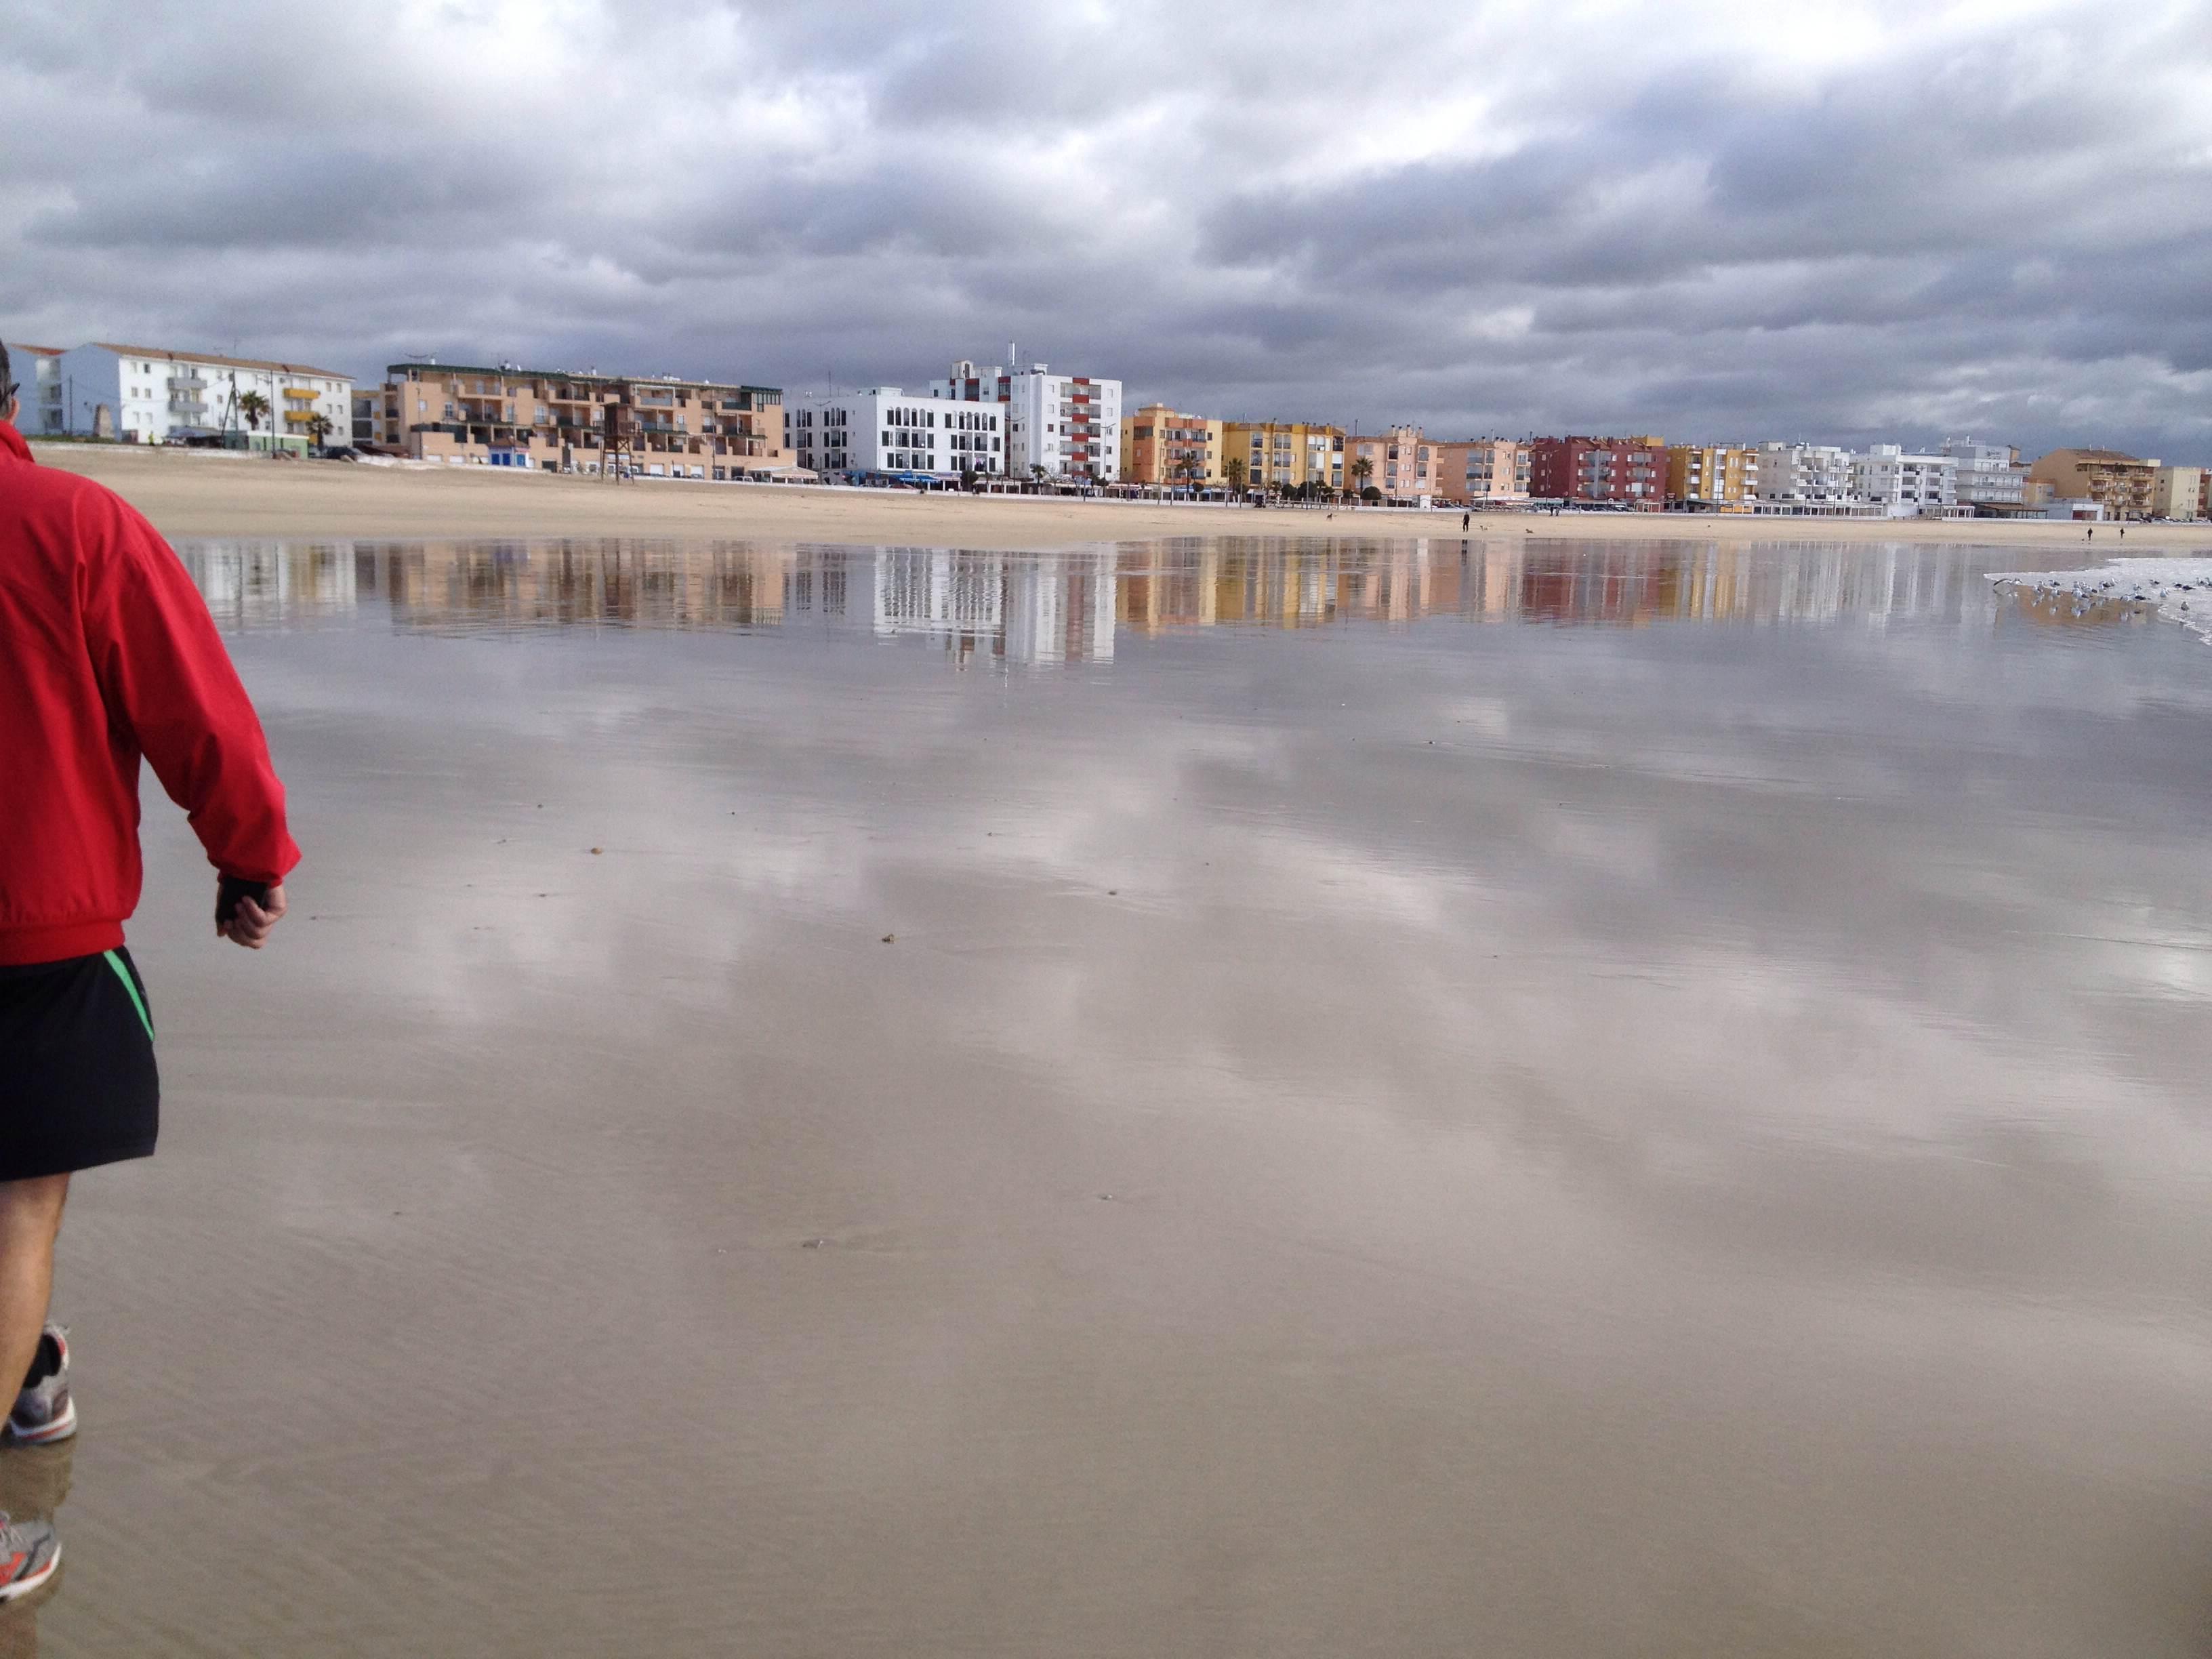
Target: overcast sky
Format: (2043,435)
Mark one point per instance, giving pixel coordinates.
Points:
(1712,220)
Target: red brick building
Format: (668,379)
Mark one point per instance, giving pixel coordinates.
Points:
(1627,473)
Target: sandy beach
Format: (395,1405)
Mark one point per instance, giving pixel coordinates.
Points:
(779,1127)
(196,493)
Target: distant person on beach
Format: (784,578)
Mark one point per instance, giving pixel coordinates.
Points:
(107,654)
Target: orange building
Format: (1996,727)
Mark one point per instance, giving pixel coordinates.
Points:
(1161,446)
(549,421)
(1400,463)
(1482,471)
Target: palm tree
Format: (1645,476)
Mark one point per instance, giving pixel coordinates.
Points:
(254,407)
(1235,471)
(1362,470)
(318,429)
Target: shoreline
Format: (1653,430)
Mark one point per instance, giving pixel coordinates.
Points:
(197,494)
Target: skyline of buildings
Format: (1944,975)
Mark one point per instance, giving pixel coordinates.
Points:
(1003,427)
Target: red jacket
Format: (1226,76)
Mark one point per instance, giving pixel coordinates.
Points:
(108,653)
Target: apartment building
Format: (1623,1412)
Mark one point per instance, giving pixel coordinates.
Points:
(1286,454)
(2178,492)
(1991,479)
(1161,446)
(1810,481)
(886,433)
(1623,472)
(1481,471)
(37,385)
(152,394)
(1711,477)
(1057,426)
(1401,461)
(2120,484)
(1905,486)
(549,420)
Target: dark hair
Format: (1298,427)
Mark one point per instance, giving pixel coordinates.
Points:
(7,385)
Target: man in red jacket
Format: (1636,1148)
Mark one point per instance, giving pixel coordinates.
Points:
(107,655)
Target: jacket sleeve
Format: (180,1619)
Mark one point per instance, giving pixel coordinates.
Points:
(169,684)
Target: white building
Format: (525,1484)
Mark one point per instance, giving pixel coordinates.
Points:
(886,430)
(1059,426)
(32,370)
(1809,480)
(1907,486)
(143,394)
(1991,476)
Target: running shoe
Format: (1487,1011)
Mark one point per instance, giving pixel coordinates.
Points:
(29,1552)
(44,1412)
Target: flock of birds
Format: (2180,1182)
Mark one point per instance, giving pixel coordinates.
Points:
(2136,586)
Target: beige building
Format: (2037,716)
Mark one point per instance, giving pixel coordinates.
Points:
(1399,462)
(1711,477)
(2177,492)
(1161,446)
(552,421)
(1478,473)
(2119,484)
(1285,454)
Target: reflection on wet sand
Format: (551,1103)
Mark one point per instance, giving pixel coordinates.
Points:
(1068,608)
(1408,1137)
(34,1480)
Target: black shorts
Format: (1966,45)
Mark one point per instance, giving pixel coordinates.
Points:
(77,1083)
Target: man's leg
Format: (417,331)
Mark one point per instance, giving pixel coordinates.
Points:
(30,1220)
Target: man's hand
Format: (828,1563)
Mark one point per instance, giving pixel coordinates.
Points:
(252,924)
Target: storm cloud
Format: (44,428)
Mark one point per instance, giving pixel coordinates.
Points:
(1719,220)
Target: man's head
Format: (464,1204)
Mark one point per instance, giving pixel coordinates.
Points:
(8,400)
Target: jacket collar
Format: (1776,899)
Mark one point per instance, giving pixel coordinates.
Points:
(12,444)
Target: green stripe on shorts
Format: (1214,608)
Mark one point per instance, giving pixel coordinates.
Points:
(130,985)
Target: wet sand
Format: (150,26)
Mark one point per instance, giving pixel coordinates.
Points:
(201,494)
(774,1130)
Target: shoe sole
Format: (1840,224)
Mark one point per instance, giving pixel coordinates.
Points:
(46,1433)
(26,1585)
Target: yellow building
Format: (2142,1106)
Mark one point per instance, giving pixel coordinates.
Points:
(1161,446)
(1712,478)
(1285,455)
(2177,492)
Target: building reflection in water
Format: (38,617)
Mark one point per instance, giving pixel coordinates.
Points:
(1066,608)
